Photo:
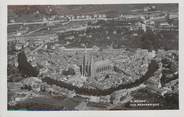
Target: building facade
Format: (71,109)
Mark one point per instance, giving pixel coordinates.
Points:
(92,69)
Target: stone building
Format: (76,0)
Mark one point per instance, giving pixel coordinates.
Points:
(92,69)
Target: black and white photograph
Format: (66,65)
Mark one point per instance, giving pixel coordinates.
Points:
(84,57)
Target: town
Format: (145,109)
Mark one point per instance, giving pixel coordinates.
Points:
(92,58)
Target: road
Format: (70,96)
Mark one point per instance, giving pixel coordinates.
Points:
(39,22)
(58,21)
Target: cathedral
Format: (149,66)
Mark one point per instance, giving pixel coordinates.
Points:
(92,69)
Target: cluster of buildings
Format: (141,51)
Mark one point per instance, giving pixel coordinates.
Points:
(93,66)
(15,43)
(86,17)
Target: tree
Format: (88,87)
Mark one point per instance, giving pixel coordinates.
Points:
(150,41)
(25,68)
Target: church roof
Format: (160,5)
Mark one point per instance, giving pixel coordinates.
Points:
(103,62)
